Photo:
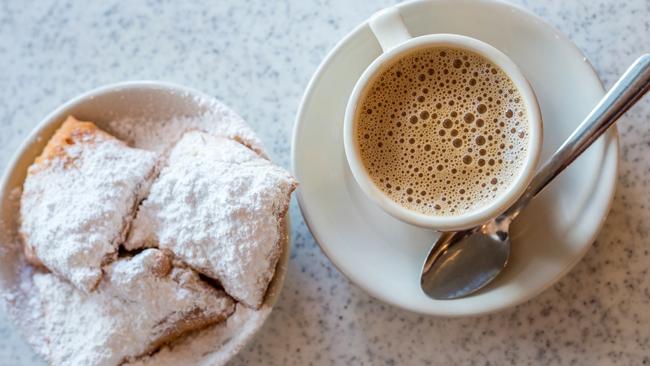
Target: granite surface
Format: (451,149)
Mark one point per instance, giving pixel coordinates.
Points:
(257,56)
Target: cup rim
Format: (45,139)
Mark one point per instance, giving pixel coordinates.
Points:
(474,217)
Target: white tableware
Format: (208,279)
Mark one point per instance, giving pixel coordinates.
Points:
(136,99)
(395,40)
(382,254)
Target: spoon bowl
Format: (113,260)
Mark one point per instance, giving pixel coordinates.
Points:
(444,274)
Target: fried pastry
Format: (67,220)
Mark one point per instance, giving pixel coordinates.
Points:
(142,303)
(78,200)
(218,206)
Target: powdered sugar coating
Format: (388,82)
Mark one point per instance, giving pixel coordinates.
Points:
(129,313)
(192,350)
(213,345)
(76,206)
(160,135)
(217,205)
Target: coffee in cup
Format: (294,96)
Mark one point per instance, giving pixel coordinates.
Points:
(442,131)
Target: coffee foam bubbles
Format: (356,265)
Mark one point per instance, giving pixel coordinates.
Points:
(442,131)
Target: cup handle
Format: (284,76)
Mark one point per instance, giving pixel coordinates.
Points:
(389,29)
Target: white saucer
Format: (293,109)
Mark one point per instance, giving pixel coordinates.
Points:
(383,255)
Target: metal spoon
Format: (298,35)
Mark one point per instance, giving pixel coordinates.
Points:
(462,262)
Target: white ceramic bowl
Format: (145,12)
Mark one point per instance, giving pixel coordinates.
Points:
(151,99)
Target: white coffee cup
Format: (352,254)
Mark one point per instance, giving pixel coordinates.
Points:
(395,40)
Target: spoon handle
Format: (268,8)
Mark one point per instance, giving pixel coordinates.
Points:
(634,83)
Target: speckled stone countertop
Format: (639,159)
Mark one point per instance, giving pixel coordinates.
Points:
(257,56)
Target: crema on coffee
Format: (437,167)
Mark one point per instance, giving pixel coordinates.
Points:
(442,131)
